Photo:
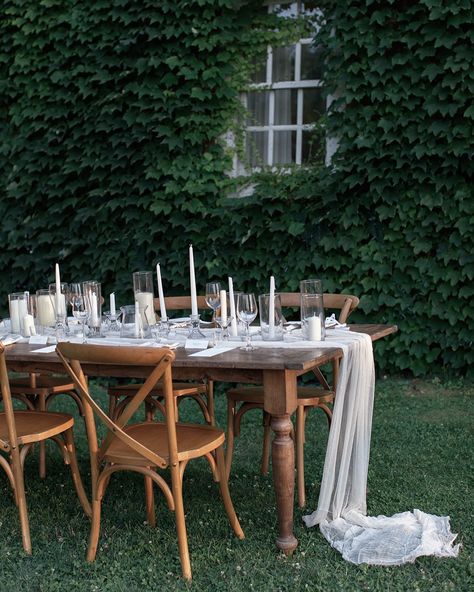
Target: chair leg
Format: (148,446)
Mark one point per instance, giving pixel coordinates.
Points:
(76,476)
(177,485)
(21,500)
(95,530)
(112,405)
(224,487)
(150,501)
(210,401)
(230,436)
(42,444)
(300,428)
(267,432)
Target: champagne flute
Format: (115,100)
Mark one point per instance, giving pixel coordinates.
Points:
(79,310)
(247,312)
(213,293)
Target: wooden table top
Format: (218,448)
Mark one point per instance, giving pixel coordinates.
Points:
(21,356)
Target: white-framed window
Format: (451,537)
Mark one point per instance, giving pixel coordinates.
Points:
(283,102)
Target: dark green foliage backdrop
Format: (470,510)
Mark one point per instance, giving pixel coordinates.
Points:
(112,115)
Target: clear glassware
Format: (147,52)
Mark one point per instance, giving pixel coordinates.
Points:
(224,324)
(247,312)
(91,291)
(213,294)
(79,309)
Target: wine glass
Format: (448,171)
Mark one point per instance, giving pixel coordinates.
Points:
(213,294)
(79,310)
(247,312)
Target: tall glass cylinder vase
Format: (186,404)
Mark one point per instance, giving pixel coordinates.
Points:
(312,310)
(143,292)
(18,303)
(91,291)
(45,310)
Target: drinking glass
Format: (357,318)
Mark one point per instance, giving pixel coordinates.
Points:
(79,309)
(247,312)
(213,295)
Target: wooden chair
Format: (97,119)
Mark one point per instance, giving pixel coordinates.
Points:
(242,399)
(147,446)
(201,392)
(37,391)
(19,430)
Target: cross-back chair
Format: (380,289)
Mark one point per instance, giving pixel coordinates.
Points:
(242,399)
(19,430)
(201,392)
(148,446)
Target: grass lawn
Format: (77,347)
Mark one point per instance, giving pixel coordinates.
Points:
(421,457)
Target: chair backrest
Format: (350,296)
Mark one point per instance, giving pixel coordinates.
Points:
(12,442)
(158,360)
(345,303)
(180,303)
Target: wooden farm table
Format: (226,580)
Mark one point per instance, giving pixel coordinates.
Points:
(277,369)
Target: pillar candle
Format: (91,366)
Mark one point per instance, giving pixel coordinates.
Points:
(160,294)
(192,281)
(314,328)
(94,310)
(271,308)
(15,316)
(45,310)
(233,324)
(223,298)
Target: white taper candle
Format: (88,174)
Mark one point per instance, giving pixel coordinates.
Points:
(271,308)
(233,323)
(112,304)
(161,295)
(192,280)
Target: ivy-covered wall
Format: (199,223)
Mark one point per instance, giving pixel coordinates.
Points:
(112,115)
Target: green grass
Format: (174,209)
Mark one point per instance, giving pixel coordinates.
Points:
(422,457)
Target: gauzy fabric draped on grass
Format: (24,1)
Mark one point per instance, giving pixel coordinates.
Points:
(341,511)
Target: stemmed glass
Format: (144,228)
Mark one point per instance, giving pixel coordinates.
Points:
(247,312)
(79,310)
(213,294)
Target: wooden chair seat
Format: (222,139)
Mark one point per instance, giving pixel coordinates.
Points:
(53,384)
(194,440)
(307,395)
(32,426)
(242,399)
(36,392)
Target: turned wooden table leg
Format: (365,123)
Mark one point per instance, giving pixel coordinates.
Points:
(283,462)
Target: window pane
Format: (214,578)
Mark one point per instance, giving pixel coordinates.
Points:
(258,106)
(311,63)
(283,64)
(256,148)
(313,104)
(312,148)
(284,147)
(285,107)
(310,7)
(286,10)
